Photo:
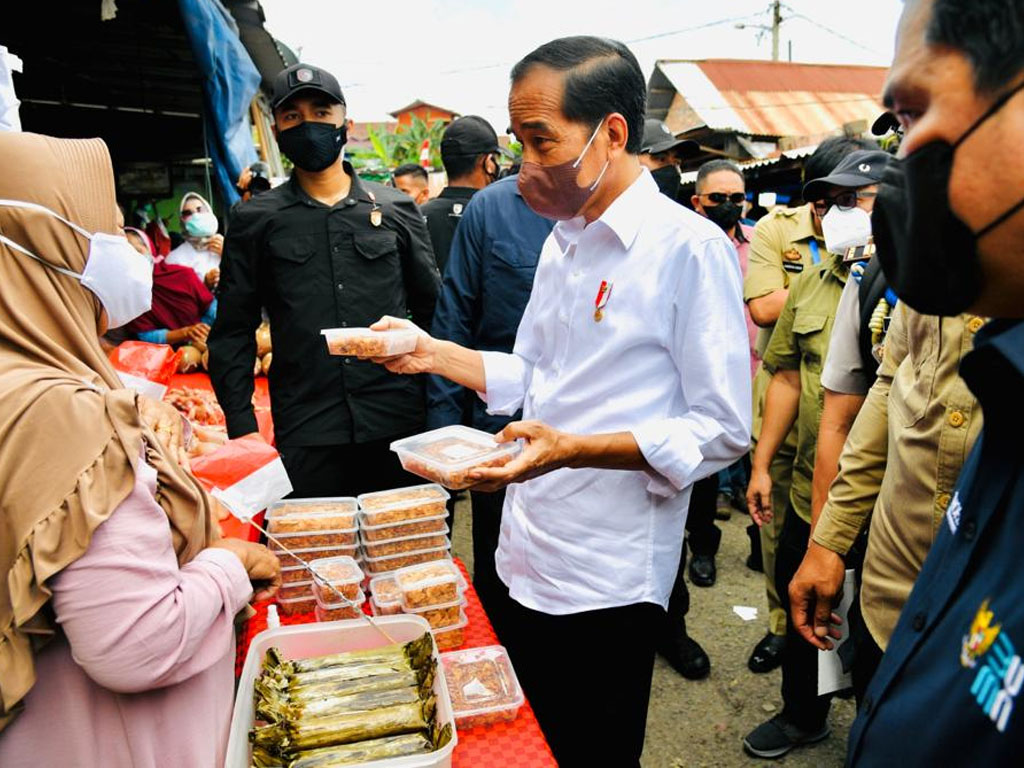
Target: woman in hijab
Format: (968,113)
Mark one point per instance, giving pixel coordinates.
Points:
(182,310)
(116,620)
(202,247)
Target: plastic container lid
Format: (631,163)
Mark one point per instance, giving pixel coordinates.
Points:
(363,526)
(482,684)
(423,576)
(365,342)
(305,514)
(382,560)
(400,498)
(384,542)
(384,590)
(452,449)
(338,570)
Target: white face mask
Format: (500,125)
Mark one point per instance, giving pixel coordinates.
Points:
(115,272)
(202,224)
(845,229)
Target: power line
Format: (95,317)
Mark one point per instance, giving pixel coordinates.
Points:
(693,28)
(831,31)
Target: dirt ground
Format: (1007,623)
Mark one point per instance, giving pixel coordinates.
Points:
(702,724)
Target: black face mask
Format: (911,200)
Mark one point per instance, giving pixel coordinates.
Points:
(667,179)
(928,255)
(726,215)
(312,146)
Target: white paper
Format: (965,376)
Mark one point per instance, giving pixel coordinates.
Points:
(831,677)
(745,612)
(143,386)
(257,491)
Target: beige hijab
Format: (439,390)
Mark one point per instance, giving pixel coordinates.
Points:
(70,435)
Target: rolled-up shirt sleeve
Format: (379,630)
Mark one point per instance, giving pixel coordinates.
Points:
(709,349)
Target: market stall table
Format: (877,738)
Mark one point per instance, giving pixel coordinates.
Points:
(516,744)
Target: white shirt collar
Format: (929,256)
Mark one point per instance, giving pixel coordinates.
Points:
(623,217)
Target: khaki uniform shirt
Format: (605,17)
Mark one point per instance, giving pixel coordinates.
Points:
(779,251)
(800,342)
(902,459)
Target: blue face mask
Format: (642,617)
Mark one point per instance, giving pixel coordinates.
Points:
(202,224)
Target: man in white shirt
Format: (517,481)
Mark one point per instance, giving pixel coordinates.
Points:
(631,366)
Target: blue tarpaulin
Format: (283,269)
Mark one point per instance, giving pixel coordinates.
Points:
(230,81)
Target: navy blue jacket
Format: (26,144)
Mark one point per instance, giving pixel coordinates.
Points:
(486,285)
(948,690)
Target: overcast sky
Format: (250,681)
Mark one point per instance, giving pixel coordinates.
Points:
(458,53)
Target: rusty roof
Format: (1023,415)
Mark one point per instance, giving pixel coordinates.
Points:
(763,98)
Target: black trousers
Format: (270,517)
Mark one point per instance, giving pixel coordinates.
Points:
(486,528)
(867,654)
(703,538)
(344,470)
(801,703)
(587,676)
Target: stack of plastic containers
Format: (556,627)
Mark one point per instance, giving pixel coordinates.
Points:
(434,591)
(336,588)
(403,527)
(312,529)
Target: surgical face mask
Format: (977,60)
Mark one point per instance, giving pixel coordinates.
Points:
(553,191)
(929,256)
(845,229)
(313,146)
(115,272)
(201,224)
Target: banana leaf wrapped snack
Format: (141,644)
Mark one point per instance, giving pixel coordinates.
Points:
(346,708)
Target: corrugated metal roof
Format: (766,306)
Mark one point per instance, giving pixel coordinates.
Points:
(769,98)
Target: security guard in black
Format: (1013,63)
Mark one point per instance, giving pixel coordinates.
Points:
(315,263)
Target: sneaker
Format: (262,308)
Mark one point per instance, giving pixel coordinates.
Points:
(778,736)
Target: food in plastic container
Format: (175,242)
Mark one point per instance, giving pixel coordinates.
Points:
(375,565)
(341,573)
(322,514)
(338,611)
(300,604)
(451,637)
(294,574)
(401,504)
(447,455)
(387,609)
(406,544)
(365,342)
(483,686)
(312,554)
(385,532)
(442,616)
(435,583)
(290,589)
(314,539)
(384,594)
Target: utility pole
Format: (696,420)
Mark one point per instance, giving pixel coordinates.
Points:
(776,23)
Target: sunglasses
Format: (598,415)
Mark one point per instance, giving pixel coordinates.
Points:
(736,198)
(187,213)
(844,200)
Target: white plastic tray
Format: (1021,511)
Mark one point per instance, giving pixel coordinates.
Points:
(301,641)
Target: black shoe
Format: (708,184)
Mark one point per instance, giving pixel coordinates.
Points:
(778,736)
(738,502)
(702,570)
(767,654)
(687,658)
(755,561)
(722,511)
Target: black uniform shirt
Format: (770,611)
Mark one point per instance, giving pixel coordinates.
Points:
(443,214)
(315,266)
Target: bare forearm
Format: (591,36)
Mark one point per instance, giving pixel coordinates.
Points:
(782,403)
(614,450)
(459,364)
(837,417)
(765,310)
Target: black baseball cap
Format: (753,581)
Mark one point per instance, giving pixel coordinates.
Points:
(304,77)
(659,138)
(860,168)
(470,135)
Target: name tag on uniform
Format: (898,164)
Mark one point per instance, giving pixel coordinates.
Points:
(793,266)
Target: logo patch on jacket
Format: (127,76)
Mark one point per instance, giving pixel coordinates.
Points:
(1000,673)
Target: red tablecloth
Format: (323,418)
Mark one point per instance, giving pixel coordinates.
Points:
(518,744)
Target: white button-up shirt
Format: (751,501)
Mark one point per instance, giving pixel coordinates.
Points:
(667,362)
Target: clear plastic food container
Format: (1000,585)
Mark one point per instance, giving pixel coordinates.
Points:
(388,531)
(339,611)
(483,686)
(376,565)
(292,589)
(447,455)
(451,637)
(309,523)
(364,342)
(442,616)
(402,504)
(385,590)
(301,604)
(427,584)
(295,574)
(341,573)
(312,554)
(406,544)
(384,609)
(348,537)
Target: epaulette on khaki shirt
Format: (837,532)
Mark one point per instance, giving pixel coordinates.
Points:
(779,251)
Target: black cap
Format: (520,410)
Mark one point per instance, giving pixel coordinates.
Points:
(860,168)
(659,138)
(304,77)
(470,136)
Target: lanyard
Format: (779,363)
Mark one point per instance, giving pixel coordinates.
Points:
(890,297)
(815,252)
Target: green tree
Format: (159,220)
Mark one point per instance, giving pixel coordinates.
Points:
(403,146)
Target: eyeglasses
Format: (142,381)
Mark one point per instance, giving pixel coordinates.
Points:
(736,198)
(844,200)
